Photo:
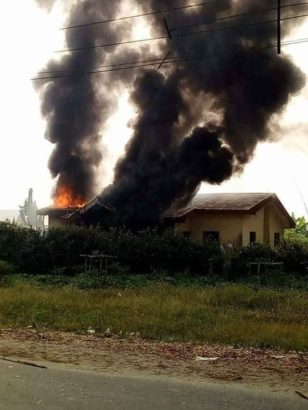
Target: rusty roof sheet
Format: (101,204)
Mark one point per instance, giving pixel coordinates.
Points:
(235,202)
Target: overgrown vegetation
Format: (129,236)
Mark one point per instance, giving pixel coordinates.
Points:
(276,280)
(300,233)
(147,251)
(162,286)
(57,252)
(229,314)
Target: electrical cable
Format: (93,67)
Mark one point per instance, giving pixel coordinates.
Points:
(149,13)
(171,60)
(230,27)
(249,13)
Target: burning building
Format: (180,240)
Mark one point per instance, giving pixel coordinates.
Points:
(65,204)
(236,219)
(199,119)
(56,216)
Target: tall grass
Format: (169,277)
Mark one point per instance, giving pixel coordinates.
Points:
(229,314)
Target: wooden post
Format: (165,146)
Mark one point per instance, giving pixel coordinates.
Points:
(279,26)
(259,274)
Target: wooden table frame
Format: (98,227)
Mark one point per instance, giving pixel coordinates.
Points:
(89,259)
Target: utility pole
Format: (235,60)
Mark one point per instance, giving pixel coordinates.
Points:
(168,29)
(170,38)
(279,26)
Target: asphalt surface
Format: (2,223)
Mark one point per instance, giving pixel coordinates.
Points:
(26,388)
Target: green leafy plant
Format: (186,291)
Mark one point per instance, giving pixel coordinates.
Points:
(6,268)
(299,233)
(58,250)
(292,255)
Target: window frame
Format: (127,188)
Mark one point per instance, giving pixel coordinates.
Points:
(211,236)
(277,242)
(254,234)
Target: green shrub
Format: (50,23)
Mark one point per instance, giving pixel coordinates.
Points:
(6,268)
(257,253)
(218,264)
(239,262)
(58,250)
(292,255)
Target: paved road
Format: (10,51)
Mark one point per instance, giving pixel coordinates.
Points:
(27,388)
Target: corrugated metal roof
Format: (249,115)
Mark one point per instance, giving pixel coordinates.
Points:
(235,202)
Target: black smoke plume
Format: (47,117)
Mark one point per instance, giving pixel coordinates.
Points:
(75,105)
(159,167)
(225,98)
(198,120)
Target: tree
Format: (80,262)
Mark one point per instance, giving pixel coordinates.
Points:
(300,232)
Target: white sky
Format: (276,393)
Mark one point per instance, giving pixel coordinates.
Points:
(28,36)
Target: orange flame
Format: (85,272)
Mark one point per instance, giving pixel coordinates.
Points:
(66,198)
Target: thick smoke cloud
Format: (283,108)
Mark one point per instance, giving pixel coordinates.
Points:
(243,83)
(158,168)
(198,120)
(76,106)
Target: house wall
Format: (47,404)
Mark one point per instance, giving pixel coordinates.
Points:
(229,226)
(54,221)
(276,224)
(235,228)
(253,223)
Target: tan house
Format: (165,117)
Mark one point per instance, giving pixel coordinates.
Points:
(235,219)
(55,216)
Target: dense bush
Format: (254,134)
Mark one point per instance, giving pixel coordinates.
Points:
(23,247)
(292,255)
(299,233)
(6,268)
(239,262)
(58,250)
(257,253)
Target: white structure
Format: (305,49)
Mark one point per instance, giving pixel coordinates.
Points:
(28,213)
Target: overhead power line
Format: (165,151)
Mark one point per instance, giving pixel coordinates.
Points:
(163,37)
(119,43)
(177,29)
(249,13)
(149,13)
(232,27)
(80,69)
(170,60)
(162,11)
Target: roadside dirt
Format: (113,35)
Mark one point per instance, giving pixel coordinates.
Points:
(276,370)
